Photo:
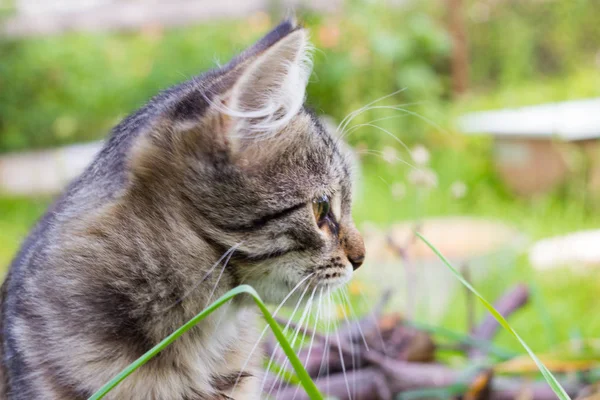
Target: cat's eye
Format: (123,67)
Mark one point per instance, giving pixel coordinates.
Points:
(321,208)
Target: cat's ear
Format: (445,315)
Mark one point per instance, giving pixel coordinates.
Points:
(253,97)
(270,89)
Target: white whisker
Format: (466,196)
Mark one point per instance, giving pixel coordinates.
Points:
(324,365)
(329,329)
(340,349)
(305,313)
(351,338)
(375,322)
(227,255)
(265,331)
(285,329)
(381,155)
(348,118)
(414,114)
(353,128)
(352,312)
(386,132)
(212,292)
(312,339)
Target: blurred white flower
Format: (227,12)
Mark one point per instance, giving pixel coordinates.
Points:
(458,189)
(390,155)
(398,190)
(420,155)
(423,177)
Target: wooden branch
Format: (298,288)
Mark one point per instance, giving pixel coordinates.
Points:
(513,299)
(403,375)
(368,322)
(363,384)
(407,363)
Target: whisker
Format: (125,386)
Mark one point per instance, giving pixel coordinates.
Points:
(223,311)
(352,312)
(212,292)
(294,339)
(329,348)
(345,133)
(380,154)
(398,107)
(312,339)
(351,342)
(265,330)
(227,255)
(344,122)
(285,329)
(414,114)
(386,132)
(326,346)
(375,322)
(388,117)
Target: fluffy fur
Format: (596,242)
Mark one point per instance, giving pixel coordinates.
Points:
(208,186)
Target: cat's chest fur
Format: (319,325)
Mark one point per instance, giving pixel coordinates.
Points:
(218,364)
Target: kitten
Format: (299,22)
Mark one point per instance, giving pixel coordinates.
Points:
(227,167)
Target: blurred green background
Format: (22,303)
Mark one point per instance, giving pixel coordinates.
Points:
(74,87)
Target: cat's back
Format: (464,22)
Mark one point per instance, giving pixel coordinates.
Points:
(97,186)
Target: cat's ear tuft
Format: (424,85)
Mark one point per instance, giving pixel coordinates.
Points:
(270,90)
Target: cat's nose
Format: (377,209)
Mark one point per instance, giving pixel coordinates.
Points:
(354,246)
(357,261)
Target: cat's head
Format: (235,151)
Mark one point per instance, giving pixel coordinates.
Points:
(254,171)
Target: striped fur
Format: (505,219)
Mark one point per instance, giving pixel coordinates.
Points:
(225,164)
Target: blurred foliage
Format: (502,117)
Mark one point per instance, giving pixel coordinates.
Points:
(71,88)
(584,82)
(515,41)
(75,87)
(362,61)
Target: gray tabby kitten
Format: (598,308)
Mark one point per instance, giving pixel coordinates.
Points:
(223,180)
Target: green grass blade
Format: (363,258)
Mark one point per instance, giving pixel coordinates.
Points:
(305,380)
(556,387)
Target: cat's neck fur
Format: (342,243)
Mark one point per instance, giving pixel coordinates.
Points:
(167,282)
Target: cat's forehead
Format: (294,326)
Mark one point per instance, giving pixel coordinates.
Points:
(313,157)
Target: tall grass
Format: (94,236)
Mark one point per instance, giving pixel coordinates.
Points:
(554,384)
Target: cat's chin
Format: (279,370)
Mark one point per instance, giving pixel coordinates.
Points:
(276,289)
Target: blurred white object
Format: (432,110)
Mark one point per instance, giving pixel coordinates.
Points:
(56,6)
(537,148)
(570,120)
(54,17)
(420,155)
(458,189)
(44,172)
(576,249)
